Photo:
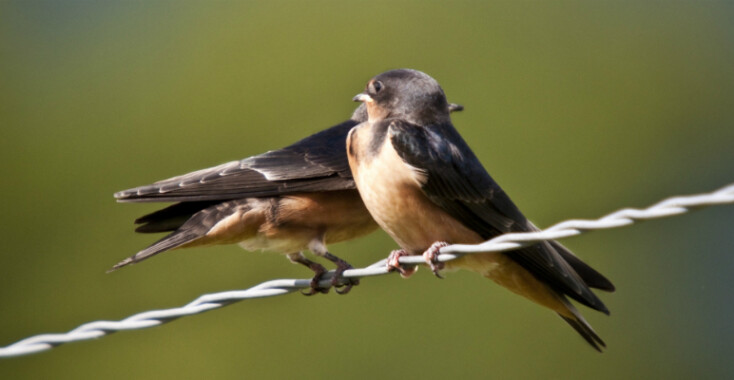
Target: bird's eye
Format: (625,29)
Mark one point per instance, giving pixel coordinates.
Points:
(376,86)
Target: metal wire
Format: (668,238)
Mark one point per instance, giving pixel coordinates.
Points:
(668,207)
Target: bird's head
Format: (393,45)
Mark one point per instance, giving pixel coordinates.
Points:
(406,94)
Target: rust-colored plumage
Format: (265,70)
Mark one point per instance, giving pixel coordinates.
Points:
(422,184)
(301,197)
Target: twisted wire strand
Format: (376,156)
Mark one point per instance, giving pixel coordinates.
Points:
(665,208)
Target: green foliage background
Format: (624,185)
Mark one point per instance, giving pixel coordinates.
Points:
(576,108)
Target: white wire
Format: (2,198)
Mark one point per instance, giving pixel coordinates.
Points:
(668,207)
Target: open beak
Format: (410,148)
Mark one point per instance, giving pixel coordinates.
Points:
(364,98)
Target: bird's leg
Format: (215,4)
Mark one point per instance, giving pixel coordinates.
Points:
(317,268)
(338,282)
(431,256)
(393,263)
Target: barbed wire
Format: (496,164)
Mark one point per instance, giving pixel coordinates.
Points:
(668,207)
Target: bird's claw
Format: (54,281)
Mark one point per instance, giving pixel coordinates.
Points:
(340,282)
(314,286)
(319,272)
(393,263)
(431,256)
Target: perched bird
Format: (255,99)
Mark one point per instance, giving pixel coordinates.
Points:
(286,200)
(425,187)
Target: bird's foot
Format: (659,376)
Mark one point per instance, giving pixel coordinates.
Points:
(431,256)
(339,281)
(393,263)
(319,272)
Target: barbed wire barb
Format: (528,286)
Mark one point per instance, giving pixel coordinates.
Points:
(624,217)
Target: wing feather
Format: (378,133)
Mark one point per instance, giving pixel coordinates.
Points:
(316,163)
(457,182)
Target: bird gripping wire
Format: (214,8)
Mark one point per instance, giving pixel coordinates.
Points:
(668,207)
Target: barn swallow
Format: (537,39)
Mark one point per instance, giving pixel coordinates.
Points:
(425,187)
(287,200)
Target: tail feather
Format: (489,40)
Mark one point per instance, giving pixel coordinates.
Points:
(576,287)
(170,241)
(586,332)
(577,321)
(195,227)
(170,218)
(576,277)
(591,277)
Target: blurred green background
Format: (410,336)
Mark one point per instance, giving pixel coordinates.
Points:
(576,108)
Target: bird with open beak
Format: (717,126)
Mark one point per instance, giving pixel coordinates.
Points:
(424,186)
